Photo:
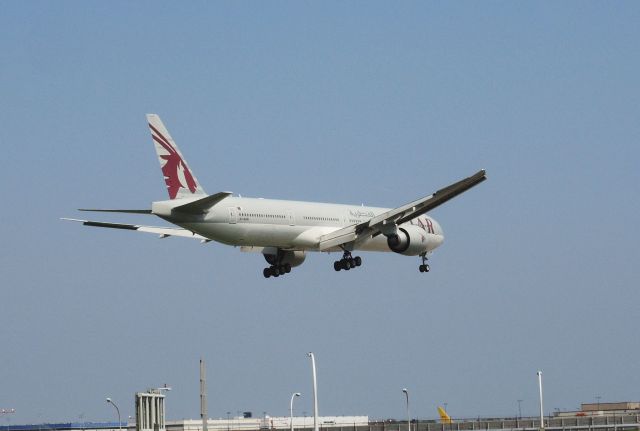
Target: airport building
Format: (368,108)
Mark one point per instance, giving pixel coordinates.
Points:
(604,409)
(231,424)
(268,423)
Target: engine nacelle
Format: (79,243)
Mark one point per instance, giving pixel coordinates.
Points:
(293,258)
(409,240)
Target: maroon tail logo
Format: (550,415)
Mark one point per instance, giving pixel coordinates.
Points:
(172,166)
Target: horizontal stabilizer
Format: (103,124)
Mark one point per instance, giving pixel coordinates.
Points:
(162,231)
(115,211)
(203,205)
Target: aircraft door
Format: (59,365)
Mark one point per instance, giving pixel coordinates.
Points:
(233,215)
(292,220)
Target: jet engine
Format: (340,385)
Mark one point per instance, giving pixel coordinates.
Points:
(409,240)
(293,258)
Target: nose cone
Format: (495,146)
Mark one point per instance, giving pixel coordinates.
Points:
(437,229)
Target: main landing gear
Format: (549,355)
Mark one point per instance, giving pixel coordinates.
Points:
(276,270)
(347,262)
(425,266)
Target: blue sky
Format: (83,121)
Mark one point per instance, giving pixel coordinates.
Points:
(351,102)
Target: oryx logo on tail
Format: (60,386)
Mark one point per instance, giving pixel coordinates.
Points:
(177,175)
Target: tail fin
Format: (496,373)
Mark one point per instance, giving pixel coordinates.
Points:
(444,417)
(181,183)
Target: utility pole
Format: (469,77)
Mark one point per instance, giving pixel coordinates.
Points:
(519,409)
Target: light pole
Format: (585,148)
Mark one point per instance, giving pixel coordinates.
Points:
(539,373)
(295,394)
(598,400)
(315,391)
(406,393)
(117,410)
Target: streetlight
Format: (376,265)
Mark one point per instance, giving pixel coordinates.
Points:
(406,393)
(598,399)
(296,394)
(228,413)
(117,410)
(315,391)
(539,373)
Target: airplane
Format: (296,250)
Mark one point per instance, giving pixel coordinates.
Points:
(282,230)
(444,416)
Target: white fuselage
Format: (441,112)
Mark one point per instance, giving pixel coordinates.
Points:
(287,225)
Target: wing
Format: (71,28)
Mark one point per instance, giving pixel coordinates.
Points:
(162,231)
(359,233)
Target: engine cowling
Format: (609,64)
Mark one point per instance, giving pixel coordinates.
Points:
(408,240)
(293,258)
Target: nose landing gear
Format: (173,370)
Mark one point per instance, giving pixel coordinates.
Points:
(425,266)
(347,262)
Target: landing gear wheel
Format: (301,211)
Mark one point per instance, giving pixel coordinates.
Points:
(425,266)
(274,271)
(279,264)
(347,262)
